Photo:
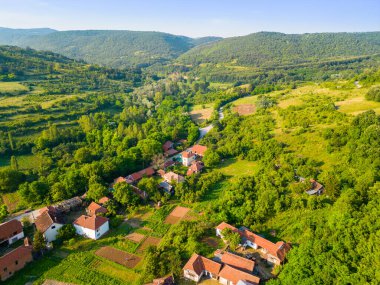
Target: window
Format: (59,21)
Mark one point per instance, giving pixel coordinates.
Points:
(16,262)
(5,269)
(53,227)
(15,233)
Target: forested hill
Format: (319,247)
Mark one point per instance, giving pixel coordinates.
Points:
(111,48)
(272,49)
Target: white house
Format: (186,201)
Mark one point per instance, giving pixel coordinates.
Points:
(199,266)
(91,226)
(188,157)
(48,224)
(11,231)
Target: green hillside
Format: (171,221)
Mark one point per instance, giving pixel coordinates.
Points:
(111,48)
(266,49)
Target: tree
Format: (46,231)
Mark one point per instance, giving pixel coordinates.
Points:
(10,140)
(373,94)
(10,179)
(83,155)
(149,147)
(124,195)
(14,163)
(3,212)
(211,158)
(232,238)
(149,185)
(158,160)
(38,242)
(95,189)
(34,192)
(66,232)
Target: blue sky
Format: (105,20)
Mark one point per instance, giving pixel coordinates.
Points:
(195,17)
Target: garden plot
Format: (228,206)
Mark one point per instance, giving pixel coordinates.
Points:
(135,237)
(176,215)
(118,256)
(148,242)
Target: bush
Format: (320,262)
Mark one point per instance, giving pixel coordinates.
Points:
(373,94)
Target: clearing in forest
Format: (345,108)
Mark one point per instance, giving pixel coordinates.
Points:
(118,256)
(198,116)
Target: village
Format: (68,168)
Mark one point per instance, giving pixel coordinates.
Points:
(243,257)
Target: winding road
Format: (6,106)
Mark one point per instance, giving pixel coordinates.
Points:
(205,130)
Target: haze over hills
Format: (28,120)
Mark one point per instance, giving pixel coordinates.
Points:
(272,49)
(111,48)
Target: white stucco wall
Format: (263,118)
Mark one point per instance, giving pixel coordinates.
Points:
(192,275)
(187,161)
(223,281)
(92,233)
(251,244)
(51,233)
(16,238)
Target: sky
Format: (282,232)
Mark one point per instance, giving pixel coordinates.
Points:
(195,18)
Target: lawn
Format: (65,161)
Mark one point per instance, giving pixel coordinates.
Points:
(25,162)
(235,168)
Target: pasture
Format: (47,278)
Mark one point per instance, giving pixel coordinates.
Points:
(201,113)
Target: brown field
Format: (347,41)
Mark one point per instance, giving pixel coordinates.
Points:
(246,109)
(118,256)
(135,237)
(199,116)
(176,215)
(172,220)
(148,242)
(212,242)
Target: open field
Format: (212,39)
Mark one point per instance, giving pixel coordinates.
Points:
(201,113)
(244,110)
(233,167)
(357,105)
(135,237)
(24,161)
(118,256)
(11,87)
(11,200)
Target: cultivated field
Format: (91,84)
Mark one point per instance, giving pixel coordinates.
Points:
(149,241)
(118,256)
(135,237)
(176,215)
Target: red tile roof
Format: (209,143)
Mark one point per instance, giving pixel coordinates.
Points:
(171,176)
(167,145)
(161,172)
(119,180)
(235,275)
(235,260)
(199,149)
(45,220)
(95,208)
(278,249)
(198,263)
(48,208)
(224,225)
(10,229)
(187,154)
(8,265)
(103,200)
(90,222)
(171,152)
(195,167)
(140,174)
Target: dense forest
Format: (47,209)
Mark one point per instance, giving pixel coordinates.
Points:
(68,127)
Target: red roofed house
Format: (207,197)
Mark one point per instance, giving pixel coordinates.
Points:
(167,280)
(199,266)
(273,252)
(104,200)
(167,145)
(48,223)
(187,157)
(15,260)
(231,276)
(199,149)
(91,226)
(171,176)
(195,167)
(95,209)
(135,177)
(234,260)
(316,188)
(11,231)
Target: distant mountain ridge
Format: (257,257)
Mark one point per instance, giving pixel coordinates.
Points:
(272,49)
(106,47)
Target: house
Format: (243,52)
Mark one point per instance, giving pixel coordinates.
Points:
(234,260)
(135,177)
(11,231)
(273,252)
(167,280)
(171,176)
(48,223)
(199,266)
(15,260)
(166,187)
(95,209)
(118,180)
(161,172)
(187,157)
(104,200)
(199,149)
(316,188)
(195,167)
(52,209)
(231,276)
(167,146)
(92,227)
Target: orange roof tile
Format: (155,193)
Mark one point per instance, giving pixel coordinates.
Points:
(103,200)
(45,220)
(90,222)
(199,149)
(235,275)
(236,261)
(96,208)
(198,263)
(10,229)
(224,225)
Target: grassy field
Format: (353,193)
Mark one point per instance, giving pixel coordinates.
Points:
(202,112)
(25,162)
(357,105)
(6,87)
(235,168)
